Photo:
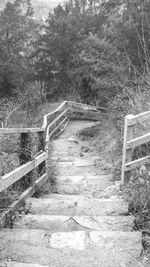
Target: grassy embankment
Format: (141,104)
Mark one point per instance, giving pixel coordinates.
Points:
(107,139)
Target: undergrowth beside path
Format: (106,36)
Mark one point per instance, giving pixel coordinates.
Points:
(10,147)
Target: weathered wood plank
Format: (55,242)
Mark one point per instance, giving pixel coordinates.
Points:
(52,113)
(17,174)
(39,159)
(138,141)
(13,176)
(139,117)
(128,135)
(58,127)
(41,147)
(7,215)
(56,120)
(20,130)
(82,106)
(85,115)
(133,164)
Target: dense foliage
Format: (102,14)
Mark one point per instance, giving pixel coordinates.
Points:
(85,50)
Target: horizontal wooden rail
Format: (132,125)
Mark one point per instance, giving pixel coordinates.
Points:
(53,122)
(58,127)
(64,105)
(138,141)
(15,175)
(57,119)
(20,130)
(62,114)
(52,113)
(136,163)
(5,217)
(130,143)
(82,106)
(139,118)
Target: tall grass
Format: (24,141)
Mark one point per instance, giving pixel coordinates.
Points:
(110,143)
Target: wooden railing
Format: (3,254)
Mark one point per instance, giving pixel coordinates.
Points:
(36,167)
(130,142)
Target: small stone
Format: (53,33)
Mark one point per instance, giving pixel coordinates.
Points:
(72,240)
(143,170)
(141,181)
(72,139)
(85,149)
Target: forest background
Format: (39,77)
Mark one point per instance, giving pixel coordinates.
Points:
(89,51)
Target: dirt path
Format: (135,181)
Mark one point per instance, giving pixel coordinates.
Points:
(79,224)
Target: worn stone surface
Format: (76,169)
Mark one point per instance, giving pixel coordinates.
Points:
(85,184)
(30,237)
(71,184)
(81,206)
(107,249)
(70,179)
(65,164)
(84,162)
(19,264)
(75,240)
(63,197)
(51,206)
(66,223)
(73,170)
(101,207)
(106,223)
(46,222)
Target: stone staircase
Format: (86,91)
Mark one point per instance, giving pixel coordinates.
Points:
(76,225)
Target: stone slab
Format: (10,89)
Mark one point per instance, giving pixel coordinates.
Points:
(51,206)
(70,189)
(77,171)
(71,184)
(124,241)
(72,240)
(77,206)
(55,223)
(19,264)
(70,179)
(107,249)
(46,222)
(101,207)
(106,223)
(62,158)
(62,197)
(30,237)
(64,164)
(84,162)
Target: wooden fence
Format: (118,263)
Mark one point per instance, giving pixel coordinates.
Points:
(36,166)
(130,142)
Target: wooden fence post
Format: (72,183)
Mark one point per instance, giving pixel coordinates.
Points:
(127,153)
(25,148)
(41,146)
(25,153)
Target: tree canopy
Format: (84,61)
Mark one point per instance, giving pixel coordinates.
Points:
(86,49)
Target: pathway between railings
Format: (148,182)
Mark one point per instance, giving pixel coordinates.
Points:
(79,223)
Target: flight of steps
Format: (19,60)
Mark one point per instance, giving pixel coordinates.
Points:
(75,226)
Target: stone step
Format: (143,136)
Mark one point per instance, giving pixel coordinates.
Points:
(95,248)
(73,197)
(80,206)
(19,264)
(56,223)
(82,184)
(77,171)
(77,163)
